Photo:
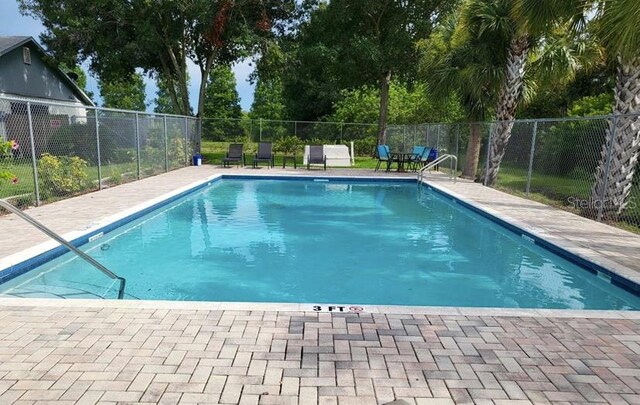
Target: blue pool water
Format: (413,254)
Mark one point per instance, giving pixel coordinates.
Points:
(324,242)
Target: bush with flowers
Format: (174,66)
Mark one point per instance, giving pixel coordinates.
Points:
(7,148)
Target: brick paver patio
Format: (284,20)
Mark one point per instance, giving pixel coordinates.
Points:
(78,354)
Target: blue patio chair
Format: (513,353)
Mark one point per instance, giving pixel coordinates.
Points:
(424,157)
(416,155)
(384,155)
(431,156)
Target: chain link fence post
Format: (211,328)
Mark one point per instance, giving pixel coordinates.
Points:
(166,145)
(457,141)
(603,194)
(486,164)
(260,129)
(34,161)
(138,144)
(98,150)
(531,153)
(186,142)
(199,136)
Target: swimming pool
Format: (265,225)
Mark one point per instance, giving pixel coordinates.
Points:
(328,241)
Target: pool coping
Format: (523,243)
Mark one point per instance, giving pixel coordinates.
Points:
(623,277)
(310,307)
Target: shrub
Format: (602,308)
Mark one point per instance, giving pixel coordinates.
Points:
(365,147)
(570,146)
(62,175)
(288,145)
(80,140)
(115,176)
(6,156)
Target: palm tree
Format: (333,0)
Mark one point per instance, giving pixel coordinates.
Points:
(526,24)
(456,62)
(617,26)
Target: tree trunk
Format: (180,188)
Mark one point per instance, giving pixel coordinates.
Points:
(205,71)
(612,190)
(508,99)
(473,152)
(204,78)
(385,81)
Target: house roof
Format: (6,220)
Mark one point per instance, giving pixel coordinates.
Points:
(8,44)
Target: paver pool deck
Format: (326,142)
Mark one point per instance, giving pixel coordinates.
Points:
(93,351)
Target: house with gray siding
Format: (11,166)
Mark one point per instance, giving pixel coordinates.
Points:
(27,74)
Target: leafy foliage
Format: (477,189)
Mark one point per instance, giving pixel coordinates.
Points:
(117,37)
(125,93)
(346,45)
(268,102)
(407,105)
(574,145)
(62,175)
(163,102)
(288,145)
(80,140)
(222,106)
(6,155)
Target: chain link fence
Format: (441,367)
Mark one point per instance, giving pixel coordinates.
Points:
(554,161)
(252,131)
(52,151)
(583,165)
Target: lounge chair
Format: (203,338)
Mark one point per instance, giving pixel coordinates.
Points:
(265,154)
(234,155)
(384,155)
(316,156)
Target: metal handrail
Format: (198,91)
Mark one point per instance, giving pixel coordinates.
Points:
(454,166)
(9,207)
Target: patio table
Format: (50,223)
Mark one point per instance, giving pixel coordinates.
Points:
(402,158)
(289,157)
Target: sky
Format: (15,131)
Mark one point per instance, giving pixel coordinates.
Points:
(12,23)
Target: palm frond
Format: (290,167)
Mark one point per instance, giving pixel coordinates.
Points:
(618,25)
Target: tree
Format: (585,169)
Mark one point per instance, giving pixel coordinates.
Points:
(158,36)
(268,100)
(126,93)
(617,26)
(456,61)
(407,105)
(525,24)
(222,111)
(345,44)
(163,101)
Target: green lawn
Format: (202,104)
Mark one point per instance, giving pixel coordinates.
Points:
(561,192)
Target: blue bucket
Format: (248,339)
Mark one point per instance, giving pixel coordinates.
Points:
(197,159)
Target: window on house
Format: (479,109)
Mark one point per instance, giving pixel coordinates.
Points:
(26,55)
